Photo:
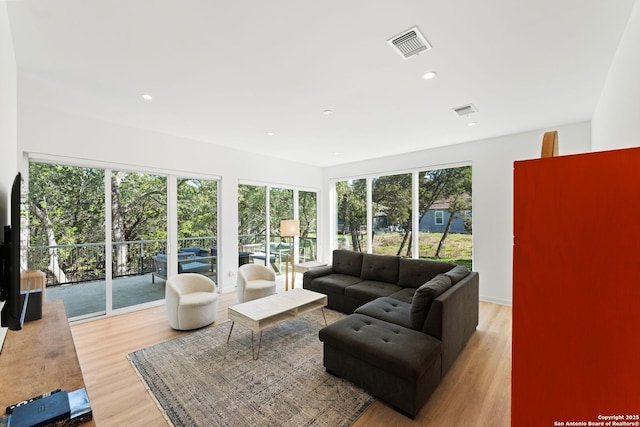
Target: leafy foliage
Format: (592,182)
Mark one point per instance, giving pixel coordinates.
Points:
(197,208)
(72,198)
(352,210)
(252,211)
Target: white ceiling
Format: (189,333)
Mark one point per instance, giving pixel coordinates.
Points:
(229,72)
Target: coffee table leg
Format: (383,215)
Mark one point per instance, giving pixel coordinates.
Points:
(325,318)
(253,353)
(233,323)
(259,345)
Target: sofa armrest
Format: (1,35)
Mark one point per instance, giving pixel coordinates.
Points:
(318,272)
(309,275)
(453,317)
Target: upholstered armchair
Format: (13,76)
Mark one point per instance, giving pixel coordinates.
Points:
(191,301)
(255,281)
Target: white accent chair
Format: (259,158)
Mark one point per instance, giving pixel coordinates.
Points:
(191,301)
(255,281)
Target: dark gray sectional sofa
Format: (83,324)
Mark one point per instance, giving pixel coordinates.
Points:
(408,321)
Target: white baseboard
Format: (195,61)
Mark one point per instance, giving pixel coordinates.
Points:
(496,300)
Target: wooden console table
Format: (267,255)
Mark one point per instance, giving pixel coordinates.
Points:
(40,358)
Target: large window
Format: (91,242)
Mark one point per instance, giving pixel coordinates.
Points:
(444,227)
(138,229)
(261,205)
(252,222)
(424,214)
(198,227)
(81,218)
(308,211)
(391,214)
(351,215)
(67,234)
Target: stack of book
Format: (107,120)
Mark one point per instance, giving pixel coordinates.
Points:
(55,408)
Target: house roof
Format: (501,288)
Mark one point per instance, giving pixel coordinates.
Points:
(261,76)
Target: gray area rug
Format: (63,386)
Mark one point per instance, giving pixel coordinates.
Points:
(200,380)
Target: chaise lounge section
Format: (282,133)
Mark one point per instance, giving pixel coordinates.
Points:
(409,320)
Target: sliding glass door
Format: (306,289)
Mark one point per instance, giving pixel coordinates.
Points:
(259,205)
(101,235)
(308,215)
(138,234)
(67,235)
(198,227)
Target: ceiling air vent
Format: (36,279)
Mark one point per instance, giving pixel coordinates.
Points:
(465,109)
(409,43)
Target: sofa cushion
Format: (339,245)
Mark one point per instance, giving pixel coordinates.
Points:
(392,348)
(347,262)
(332,283)
(388,309)
(193,267)
(413,273)
(368,290)
(424,297)
(404,295)
(381,268)
(457,273)
(196,251)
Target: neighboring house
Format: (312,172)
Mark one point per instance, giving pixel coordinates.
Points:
(435,221)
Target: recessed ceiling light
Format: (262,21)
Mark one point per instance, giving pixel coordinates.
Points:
(147,97)
(327,112)
(429,75)
(270,133)
(472,124)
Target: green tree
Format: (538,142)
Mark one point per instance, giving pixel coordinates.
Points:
(197,208)
(138,211)
(281,207)
(67,207)
(352,210)
(391,198)
(458,192)
(252,212)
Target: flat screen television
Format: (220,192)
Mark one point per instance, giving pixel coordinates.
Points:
(14,309)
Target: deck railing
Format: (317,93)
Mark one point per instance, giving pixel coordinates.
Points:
(67,264)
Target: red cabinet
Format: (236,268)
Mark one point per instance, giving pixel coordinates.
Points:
(576,289)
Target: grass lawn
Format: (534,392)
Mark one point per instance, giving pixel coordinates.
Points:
(456,249)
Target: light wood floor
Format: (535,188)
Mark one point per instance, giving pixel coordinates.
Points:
(475,391)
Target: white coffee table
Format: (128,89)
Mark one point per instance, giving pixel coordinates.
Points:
(263,313)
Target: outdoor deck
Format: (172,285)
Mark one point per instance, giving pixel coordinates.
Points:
(86,298)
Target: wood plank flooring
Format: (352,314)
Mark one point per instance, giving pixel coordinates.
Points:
(475,391)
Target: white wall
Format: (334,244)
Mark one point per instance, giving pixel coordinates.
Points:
(492,163)
(54,133)
(8,108)
(615,122)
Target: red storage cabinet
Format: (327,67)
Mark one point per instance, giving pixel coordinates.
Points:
(576,290)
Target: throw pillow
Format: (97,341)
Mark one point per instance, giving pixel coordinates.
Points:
(423,298)
(415,272)
(457,273)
